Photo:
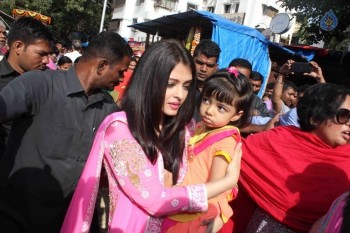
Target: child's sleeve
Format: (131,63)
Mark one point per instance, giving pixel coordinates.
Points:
(224,149)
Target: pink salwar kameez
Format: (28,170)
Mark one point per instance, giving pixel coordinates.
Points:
(138,199)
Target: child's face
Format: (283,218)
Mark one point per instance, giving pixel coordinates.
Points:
(216,114)
(65,66)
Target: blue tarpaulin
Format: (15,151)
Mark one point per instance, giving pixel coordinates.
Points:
(235,40)
(238,41)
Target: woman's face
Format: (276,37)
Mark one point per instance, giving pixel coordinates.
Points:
(333,133)
(177,90)
(132,65)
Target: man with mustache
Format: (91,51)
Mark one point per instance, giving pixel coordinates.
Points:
(55,116)
(30,43)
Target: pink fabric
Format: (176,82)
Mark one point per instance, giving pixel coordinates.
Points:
(268,104)
(211,139)
(3,51)
(51,65)
(137,195)
(332,221)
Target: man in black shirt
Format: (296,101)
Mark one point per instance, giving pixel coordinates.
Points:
(30,44)
(56,114)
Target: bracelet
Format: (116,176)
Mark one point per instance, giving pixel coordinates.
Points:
(279,81)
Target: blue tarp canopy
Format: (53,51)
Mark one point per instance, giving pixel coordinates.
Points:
(238,41)
(282,54)
(235,40)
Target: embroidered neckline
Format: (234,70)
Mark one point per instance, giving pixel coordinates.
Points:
(200,133)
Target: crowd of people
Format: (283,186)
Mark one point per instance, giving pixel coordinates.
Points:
(179,144)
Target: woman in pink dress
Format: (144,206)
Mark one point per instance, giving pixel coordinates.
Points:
(143,147)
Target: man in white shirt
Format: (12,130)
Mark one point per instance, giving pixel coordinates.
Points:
(77,49)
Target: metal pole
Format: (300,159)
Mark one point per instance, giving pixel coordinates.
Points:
(103,15)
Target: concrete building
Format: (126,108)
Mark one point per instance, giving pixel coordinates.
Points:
(253,13)
(137,11)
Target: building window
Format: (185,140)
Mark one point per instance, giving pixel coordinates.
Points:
(114,25)
(134,21)
(227,8)
(211,9)
(117,3)
(237,7)
(191,7)
(269,10)
(138,2)
(168,4)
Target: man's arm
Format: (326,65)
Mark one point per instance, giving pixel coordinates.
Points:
(277,102)
(22,96)
(255,128)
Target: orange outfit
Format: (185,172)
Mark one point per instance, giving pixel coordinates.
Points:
(204,145)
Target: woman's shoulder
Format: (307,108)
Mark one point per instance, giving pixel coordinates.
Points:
(116,124)
(115,117)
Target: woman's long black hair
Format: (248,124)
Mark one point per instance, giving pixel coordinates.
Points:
(143,104)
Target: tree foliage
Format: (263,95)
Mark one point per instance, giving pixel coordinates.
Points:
(68,16)
(310,13)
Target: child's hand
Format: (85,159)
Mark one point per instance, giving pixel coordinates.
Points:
(234,167)
(213,225)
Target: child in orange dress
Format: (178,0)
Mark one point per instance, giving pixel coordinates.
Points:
(225,107)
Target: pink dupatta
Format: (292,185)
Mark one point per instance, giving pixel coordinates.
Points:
(332,221)
(82,206)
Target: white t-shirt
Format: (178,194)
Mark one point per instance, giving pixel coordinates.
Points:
(73,55)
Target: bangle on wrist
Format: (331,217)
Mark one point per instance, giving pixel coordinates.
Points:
(279,80)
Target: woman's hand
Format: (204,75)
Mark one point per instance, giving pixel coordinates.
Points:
(213,225)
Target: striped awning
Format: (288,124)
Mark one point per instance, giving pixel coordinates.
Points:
(19,13)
